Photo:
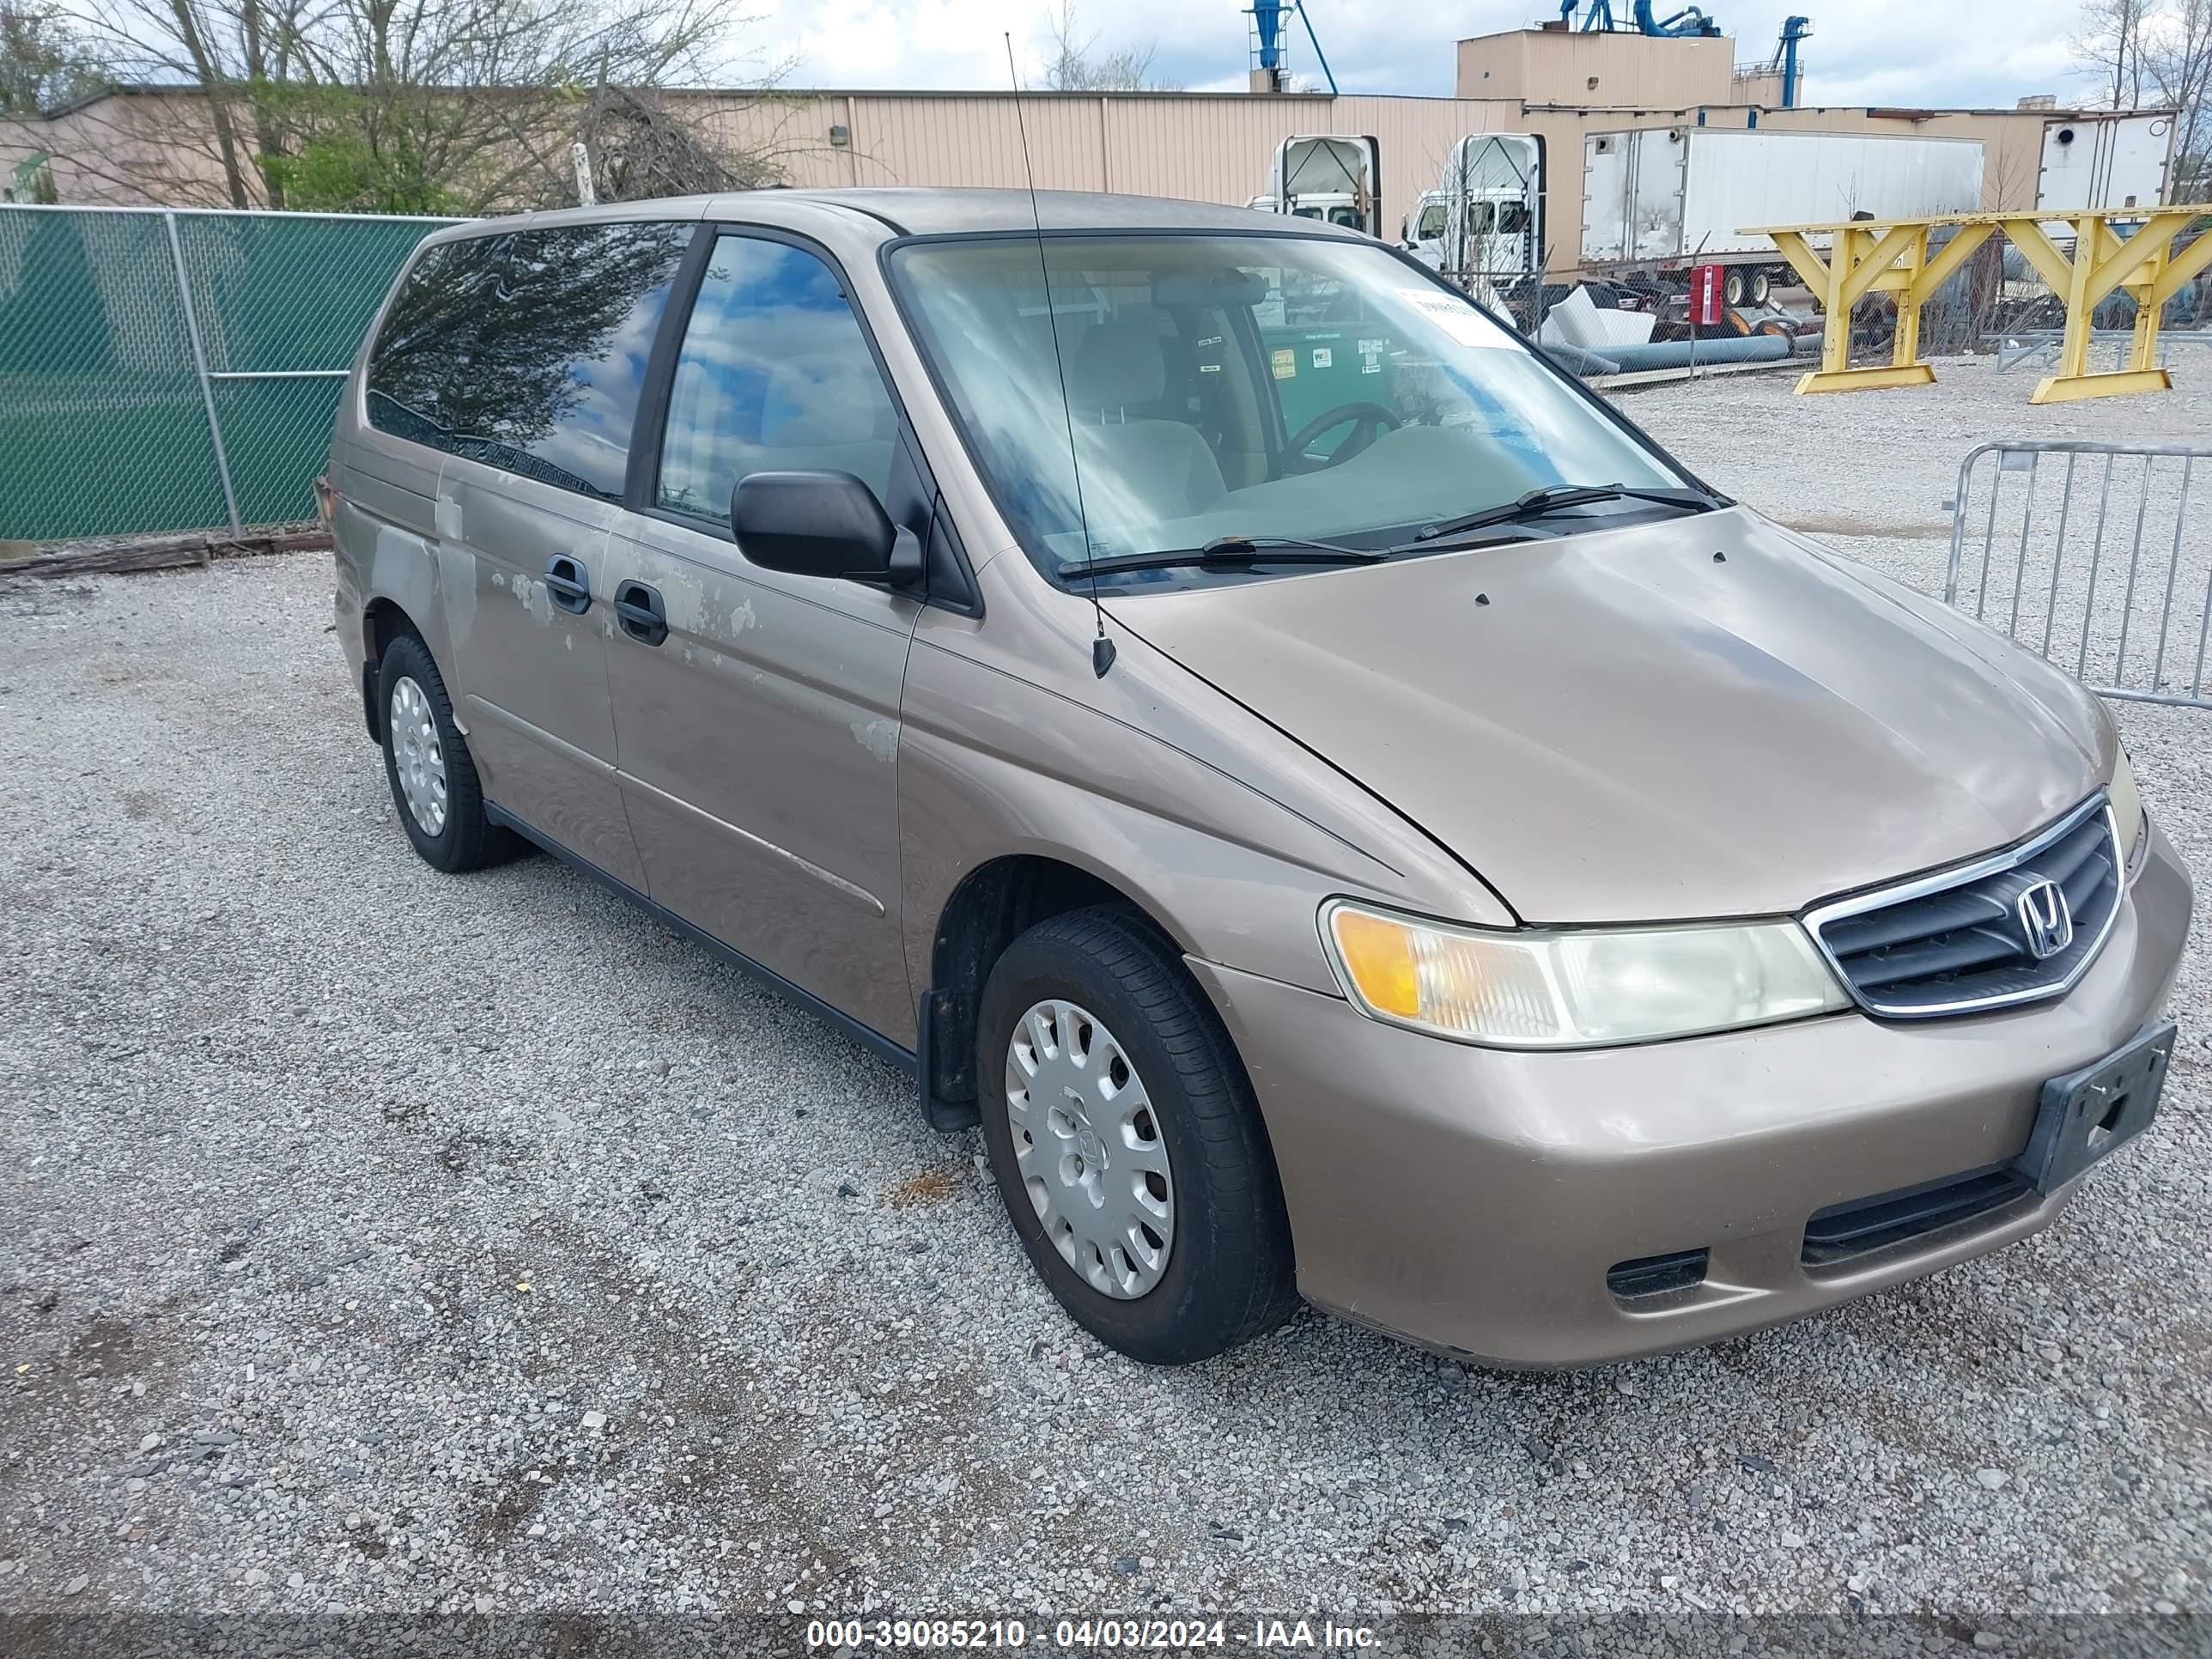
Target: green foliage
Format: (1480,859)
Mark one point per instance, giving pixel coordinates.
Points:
(43,63)
(343,171)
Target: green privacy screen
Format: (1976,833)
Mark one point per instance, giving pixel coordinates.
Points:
(105,417)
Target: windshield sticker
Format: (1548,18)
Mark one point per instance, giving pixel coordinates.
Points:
(1323,357)
(1455,316)
(1286,364)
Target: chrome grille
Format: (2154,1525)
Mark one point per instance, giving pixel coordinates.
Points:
(1960,940)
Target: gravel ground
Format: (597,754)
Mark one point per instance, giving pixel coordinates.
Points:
(386,1242)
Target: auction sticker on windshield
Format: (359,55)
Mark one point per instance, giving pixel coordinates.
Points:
(1452,315)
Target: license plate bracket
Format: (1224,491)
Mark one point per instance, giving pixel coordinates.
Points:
(2087,1114)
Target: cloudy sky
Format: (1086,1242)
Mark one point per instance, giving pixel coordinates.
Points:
(1879,52)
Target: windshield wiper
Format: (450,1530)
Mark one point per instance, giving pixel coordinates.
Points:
(1550,499)
(1232,550)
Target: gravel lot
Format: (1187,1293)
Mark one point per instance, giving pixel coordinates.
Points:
(381,1241)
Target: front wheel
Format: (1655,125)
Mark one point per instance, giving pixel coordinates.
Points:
(1127,1145)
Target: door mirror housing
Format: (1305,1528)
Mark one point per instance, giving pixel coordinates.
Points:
(822,524)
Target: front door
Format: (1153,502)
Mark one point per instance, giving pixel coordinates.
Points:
(758,713)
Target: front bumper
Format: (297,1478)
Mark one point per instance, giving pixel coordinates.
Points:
(1473,1200)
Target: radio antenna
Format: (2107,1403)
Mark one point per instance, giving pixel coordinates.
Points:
(1102,648)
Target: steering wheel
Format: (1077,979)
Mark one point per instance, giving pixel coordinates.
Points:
(1368,420)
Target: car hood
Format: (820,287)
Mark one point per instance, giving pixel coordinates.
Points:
(1705,716)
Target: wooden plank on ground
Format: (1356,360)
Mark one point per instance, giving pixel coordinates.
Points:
(117,555)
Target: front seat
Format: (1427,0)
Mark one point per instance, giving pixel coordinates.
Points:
(1165,468)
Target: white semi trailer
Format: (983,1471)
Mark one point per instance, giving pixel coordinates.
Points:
(1658,200)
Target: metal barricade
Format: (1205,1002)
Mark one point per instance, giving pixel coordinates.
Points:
(2090,555)
(2041,346)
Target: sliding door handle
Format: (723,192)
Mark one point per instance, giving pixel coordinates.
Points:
(640,611)
(569,584)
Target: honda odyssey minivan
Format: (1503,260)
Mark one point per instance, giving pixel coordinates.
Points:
(1347,814)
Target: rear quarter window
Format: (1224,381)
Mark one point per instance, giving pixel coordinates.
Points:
(527,350)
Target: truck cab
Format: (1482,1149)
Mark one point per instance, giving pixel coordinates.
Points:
(1335,178)
(1422,234)
(1483,224)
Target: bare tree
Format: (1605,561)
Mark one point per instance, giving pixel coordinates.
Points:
(2177,56)
(43,64)
(642,145)
(1074,64)
(412,106)
(2109,44)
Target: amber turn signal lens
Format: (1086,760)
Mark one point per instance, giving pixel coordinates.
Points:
(1378,954)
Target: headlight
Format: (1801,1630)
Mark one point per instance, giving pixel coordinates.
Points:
(2127,807)
(1578,989)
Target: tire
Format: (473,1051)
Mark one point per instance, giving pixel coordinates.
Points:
(1226,1274)
(1732,287)
(463,838)
(1761,289)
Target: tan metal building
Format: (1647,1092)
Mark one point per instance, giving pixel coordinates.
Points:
(1599,67)
(135,147)
(1215,147)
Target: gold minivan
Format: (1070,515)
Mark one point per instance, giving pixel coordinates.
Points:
(1345,813)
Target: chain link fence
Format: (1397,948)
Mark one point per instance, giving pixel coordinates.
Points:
(177,370)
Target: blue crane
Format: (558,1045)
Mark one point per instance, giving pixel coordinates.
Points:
(1644,19)
(1597,16)
(1794,29)
(1266,17)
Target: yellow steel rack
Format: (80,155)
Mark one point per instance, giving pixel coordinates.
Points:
(1893,256)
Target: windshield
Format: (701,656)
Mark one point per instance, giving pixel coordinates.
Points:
(1224,385)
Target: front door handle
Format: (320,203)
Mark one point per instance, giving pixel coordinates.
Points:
(569,584)
(642,614)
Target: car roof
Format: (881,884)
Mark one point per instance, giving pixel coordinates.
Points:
(931,212)
(920,211)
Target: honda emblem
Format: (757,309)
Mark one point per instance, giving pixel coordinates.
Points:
(2046,922)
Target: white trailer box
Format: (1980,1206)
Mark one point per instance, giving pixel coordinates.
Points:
(1677,195)
(2105,161)
(1336,177)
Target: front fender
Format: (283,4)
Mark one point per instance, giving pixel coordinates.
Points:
(1227,833)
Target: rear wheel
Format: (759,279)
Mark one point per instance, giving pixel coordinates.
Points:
(1126,1142)
(1732,287)
(425,759)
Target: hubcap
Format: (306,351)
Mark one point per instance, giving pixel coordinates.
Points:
(1088,1146)
(418,755)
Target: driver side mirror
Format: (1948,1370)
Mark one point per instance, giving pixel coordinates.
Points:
(822,524)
